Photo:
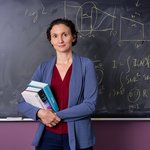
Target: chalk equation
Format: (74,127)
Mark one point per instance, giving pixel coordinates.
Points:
(132,83)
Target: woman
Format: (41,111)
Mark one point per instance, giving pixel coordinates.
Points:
(73,82)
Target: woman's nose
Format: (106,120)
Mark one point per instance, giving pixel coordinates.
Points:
(60,39)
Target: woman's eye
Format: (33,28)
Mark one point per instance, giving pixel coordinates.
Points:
(65,34)
(54,36)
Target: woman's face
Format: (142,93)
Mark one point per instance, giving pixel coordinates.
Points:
(61,38)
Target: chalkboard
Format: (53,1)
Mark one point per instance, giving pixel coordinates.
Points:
(115,34)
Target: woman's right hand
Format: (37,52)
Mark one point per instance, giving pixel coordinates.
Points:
(48,117)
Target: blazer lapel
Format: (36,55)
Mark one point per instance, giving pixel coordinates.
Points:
(75,81)
(50,70)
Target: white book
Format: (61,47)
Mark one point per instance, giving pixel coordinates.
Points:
(42,95)
(33,98)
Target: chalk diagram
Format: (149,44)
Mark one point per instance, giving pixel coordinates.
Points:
(132,27)
(90,19)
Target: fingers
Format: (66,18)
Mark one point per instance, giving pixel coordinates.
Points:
(48,117)
(52,124)
(54,121)
(57,118)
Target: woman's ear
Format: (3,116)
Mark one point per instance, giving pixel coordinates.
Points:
(51,42)
(74,38)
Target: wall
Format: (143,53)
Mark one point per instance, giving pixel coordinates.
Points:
(122,135)
(111,135)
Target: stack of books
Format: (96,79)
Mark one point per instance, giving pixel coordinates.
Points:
(40,95)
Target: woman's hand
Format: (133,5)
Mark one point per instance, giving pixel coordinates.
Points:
(48,117)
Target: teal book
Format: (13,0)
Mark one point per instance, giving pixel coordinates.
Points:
(48,93)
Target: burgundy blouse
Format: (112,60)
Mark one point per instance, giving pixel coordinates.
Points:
(60,89)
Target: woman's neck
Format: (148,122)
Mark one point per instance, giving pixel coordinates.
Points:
(64,58)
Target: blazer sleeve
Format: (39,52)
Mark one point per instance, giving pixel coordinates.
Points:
(87,105)
(25,108)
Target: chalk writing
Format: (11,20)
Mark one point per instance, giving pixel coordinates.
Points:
(35,13)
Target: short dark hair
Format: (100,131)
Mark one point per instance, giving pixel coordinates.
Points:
(66,22)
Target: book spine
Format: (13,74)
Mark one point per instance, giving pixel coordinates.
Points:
(37,98)
(51,98)
(44,99)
